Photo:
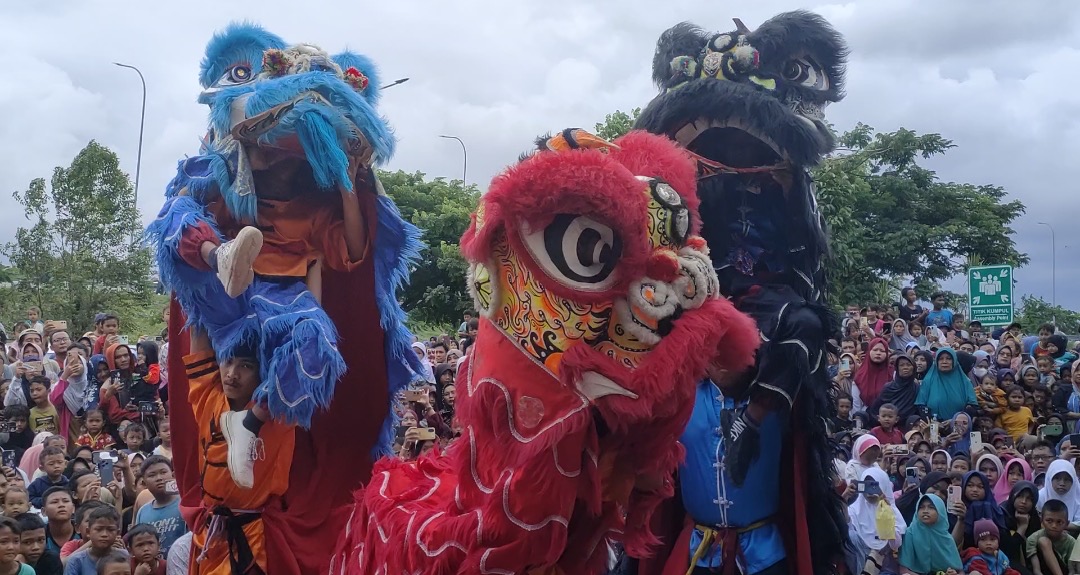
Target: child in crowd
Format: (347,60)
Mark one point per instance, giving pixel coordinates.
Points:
(986,558)
(134,436)
(43,415)
(10,547)
(104,530)
(841,421)
(82,528)
(33,319)
(113,563)
(163,514)
(95,437)
(165,449)
(52,462)
(58,507)
(1047,370)
(16,501)
(1017,420)
(1050,548)
(145,549)
(887,433)
(32,546)
(992,400)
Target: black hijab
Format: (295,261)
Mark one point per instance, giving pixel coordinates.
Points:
(901,392)
(929,357)
(1010,509)
(908,503)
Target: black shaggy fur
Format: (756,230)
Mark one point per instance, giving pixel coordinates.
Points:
(799,226)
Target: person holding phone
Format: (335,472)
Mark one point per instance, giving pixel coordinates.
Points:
(124,388)
(32,362)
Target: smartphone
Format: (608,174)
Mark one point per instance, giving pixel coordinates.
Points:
(416,395)
(399,437)
(935,435)
(148,407)
(1008,442)
(170,487)
(954,494)
(124,339)
(845,365)
(1074,440)
(8,427)
(105,471)
(33,367)
(7,457)
(99,456)
(60,325)
(860,487)
(863,323)
(976,438)
(427,434)
(912,474)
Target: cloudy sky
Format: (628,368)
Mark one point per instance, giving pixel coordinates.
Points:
(999,78)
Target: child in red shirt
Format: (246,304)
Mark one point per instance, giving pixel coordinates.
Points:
(887,432)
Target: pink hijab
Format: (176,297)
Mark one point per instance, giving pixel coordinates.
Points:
(872,377)
(1002,489)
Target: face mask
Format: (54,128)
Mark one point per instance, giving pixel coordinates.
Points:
(980,371)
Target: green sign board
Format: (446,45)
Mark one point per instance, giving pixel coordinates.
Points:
(990,295)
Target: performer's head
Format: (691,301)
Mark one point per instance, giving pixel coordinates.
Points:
(240,378)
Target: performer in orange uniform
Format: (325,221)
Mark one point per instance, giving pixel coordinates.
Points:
(233,540)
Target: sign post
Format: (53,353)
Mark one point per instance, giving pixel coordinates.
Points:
(990,295)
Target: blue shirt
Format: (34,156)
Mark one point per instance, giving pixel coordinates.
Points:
(710,496)
(39,486)
(166,521)
(940,318)
(81,563)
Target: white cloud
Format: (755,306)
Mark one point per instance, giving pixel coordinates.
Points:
(996,77)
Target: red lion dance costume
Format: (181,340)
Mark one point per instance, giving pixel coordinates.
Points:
(600,313)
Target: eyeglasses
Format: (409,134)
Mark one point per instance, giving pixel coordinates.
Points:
(1041,457)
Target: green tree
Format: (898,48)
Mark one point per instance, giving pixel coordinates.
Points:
(82,253)
(889,217)
(617,123)
(436,293)
(1035,311)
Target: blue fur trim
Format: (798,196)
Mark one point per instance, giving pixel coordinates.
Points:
(266,94)
(163,235)
(397,249)
(348,59)
(240,42)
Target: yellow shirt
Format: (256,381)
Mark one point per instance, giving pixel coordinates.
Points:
(44,419)
(1016,423)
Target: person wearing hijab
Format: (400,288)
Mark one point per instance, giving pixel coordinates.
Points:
(923,361)
(935,482)
(959,440)
(901,391)
(946,390)
(875,372)
(868,521)
(99,373)
(1061,484)
(1023,519)
(1060,352)
(427,375)
(864,455)
(899,339)
(982,367)
(928,546)
(980,504)
(1017,470)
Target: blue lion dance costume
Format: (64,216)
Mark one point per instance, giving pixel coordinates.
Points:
(306,112)
(278,243)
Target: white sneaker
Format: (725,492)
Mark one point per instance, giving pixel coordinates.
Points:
(245,448)
(235,259)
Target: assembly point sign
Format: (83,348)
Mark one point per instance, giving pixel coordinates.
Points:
(990,295)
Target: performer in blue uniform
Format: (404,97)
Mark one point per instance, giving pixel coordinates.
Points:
(725,513)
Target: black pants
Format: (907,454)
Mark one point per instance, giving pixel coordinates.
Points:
(778,568)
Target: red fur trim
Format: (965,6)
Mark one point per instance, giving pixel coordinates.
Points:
(647,154)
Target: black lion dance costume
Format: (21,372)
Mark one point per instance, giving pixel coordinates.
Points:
(758,481)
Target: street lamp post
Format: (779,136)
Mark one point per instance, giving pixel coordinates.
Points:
(465,153)
(142,124)
(1053,266)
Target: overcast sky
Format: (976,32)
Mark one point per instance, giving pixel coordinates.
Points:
(999,78)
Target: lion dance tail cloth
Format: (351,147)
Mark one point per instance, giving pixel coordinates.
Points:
(600,314)
(749,106)
(294,135)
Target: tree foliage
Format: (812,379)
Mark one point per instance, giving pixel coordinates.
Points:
(82,253)
(617,123)
(892,219)
(1035,311)
(436,293)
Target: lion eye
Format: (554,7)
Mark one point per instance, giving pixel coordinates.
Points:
(577,250)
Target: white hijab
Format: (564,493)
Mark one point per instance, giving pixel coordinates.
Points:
(863,514)
(1072,498)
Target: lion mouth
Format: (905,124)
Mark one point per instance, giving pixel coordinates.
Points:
(730,143)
